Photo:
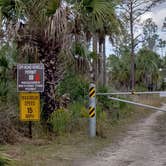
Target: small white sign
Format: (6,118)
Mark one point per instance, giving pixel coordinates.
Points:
(31,77)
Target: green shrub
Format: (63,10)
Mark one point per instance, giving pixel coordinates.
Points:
(60,120)
(74,85)
(127,111)
(3,90)
(120,113)
(106,103)
(68,120)
(4,161)
(77,111)
(101,120)
(103,100)
(115,109)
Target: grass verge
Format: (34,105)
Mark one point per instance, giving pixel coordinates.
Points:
(67,148)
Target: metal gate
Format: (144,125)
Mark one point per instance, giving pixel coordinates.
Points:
(92,104)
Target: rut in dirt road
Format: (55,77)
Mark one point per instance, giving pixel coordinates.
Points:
(141,147)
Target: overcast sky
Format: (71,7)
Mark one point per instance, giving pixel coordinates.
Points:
(158,13)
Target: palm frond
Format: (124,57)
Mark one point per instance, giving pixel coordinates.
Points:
(52,6)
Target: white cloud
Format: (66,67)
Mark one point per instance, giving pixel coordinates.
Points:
(158,13)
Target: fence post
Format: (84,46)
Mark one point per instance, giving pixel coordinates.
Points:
(92,110)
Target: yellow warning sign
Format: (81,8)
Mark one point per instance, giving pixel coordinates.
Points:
(91,112)
(92,92)
(29,106)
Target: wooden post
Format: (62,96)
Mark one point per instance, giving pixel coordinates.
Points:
(30,129)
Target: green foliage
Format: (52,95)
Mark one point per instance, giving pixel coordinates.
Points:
(95,13)
(103,100)
(140,87)
(7,7)
(4,161)
(106,103)
(79,49)
(7,60)
(69,119)
(115,110)
(60,120)
(118,104)
(148,64)
(77,112)
(35,11)
(119,68)
(93,55)
(100,114)
(101,118)
(4,89)
(73,85)
(150,33)
(52,6)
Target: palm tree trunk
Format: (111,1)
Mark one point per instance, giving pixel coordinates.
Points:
(95,61)
(104,62)
(52,77)
(100,63)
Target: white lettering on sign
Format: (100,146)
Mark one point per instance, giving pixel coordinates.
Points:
(30,66)
(29,89)
(30,71)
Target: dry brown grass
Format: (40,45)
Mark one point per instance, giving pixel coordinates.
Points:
(8,132)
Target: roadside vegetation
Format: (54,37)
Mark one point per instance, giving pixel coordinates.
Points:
(70,37)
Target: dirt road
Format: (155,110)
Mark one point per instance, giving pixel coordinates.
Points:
(143,146)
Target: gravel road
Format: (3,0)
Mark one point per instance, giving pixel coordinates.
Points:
(143,146)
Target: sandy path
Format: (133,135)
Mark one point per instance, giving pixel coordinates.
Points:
(141,147)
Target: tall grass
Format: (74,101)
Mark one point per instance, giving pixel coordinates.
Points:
(60,120)
(68,120)
(4,161)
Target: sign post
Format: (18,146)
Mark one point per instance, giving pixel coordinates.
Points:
(30,81)
(92,110)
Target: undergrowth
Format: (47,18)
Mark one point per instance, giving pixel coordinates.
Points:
(68,120)
(4,161)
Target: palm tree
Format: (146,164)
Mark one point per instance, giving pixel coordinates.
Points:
(162,45)
(7,61)
(93,18)
(42,31)
(119,69)
(148,64)
(112,29)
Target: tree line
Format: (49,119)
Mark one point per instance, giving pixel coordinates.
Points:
(71,35)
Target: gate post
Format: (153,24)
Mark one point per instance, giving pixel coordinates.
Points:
(92,110)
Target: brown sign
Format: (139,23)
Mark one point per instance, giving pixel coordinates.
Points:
(30,77)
